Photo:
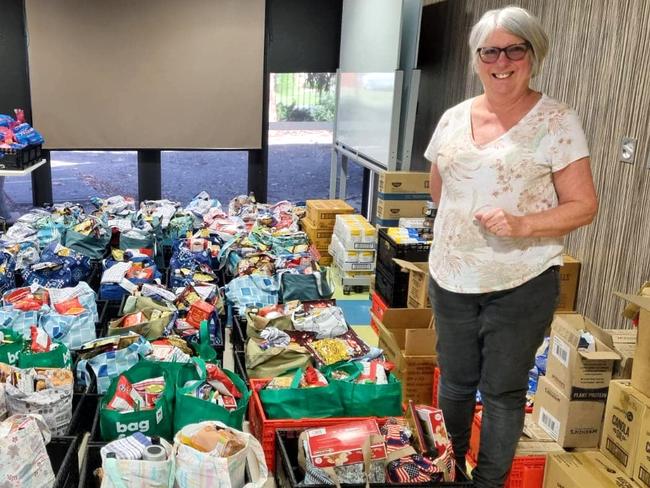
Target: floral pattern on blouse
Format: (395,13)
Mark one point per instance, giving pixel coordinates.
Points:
(513,172)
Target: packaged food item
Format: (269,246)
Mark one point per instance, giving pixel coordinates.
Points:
(280,383)
(212,439)
(41,342)
(312,378)
(133,319)
(69,307)
(199,311)
(126,398)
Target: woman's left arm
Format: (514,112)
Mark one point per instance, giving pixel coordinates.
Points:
(577,206)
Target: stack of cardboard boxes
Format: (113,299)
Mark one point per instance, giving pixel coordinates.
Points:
(353,244)
(570,399)
(319,222)
(624,456)
(401,194)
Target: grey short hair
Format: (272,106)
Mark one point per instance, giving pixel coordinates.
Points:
(517,21)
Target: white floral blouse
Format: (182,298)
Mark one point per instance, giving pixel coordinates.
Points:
(513,172)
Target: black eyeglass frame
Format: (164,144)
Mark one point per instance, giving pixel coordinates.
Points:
(526,44)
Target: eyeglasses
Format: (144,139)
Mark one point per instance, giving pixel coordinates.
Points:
(514,52)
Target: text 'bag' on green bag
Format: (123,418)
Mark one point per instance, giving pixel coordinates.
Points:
(190,410)
(300,403)
(10,350)
(59,357)
(305,287)
(365,400)
(158,421)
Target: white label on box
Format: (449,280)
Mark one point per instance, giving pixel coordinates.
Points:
(549,423)
(561,350)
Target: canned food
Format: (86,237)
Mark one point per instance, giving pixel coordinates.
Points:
(152,393)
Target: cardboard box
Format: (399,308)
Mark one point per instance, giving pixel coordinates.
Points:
(570,423)
(622,342)
(642,458)
(391,182)
(408,339)
(624,416)
(418,290)
(322,213)
(641,367)
(342,445)
(583,470)
(580,375)
(393,210)
(320,238)
(569,278)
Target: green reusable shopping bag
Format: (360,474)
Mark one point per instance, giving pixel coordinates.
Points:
(151,329)
(11,347)
(305,287)
(300,403)
(190,410)
(88,245)
(56,358)
(365,400)
(274,361)
(158,421)
(203,348)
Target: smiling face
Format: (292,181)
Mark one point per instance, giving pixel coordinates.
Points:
(504,77)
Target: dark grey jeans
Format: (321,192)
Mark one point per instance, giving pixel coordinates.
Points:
(488,341)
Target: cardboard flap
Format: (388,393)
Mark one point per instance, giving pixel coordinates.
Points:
(412,267)
(420,342)
(599,334)
(599,355)
(643,302)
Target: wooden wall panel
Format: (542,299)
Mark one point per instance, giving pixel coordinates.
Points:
(599,63)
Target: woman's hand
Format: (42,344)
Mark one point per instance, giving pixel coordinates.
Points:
(500,223)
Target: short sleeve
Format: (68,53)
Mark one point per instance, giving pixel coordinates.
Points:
(569,141)
(432,149)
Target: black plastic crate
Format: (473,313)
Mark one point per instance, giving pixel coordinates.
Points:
(65,461)
(387,249)
(239,358)
(288,474)
(238,334)
(91,461)
(20,158)
(83,413)
(392,287)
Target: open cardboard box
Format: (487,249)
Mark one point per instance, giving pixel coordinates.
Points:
(579,374)
(641,365)
(418,290)
(408,338)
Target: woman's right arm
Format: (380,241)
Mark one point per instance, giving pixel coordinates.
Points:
(435,183)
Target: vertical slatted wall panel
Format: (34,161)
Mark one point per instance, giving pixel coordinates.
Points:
(599,63)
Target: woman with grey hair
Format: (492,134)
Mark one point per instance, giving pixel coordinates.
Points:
(510,171)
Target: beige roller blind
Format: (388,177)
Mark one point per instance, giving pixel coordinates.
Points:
(146,73)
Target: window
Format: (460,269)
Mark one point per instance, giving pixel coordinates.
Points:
(301,121)
(79,175)
(223,174)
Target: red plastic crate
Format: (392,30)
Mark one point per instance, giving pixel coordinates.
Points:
(264,429)
(525,472)
(374,326)
(377,305)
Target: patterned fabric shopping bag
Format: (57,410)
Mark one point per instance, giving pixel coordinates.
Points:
(108,365)
(25,462)
(195,469)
